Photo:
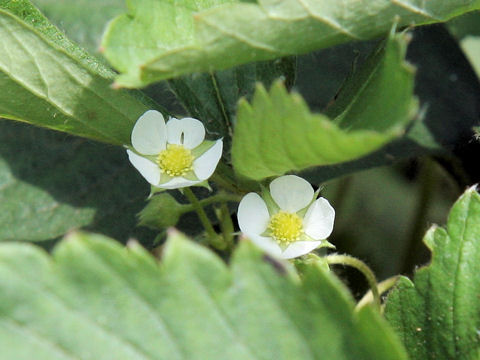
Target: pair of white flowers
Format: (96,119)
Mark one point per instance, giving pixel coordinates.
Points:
(287,221)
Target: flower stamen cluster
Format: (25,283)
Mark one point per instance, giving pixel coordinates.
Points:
(175,160)
(285,227)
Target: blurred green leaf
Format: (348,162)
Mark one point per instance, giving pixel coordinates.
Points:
(51,183)
(96,299)
(437,315)
(162,211)
(277,133)
(156,40)
(466,29)
(83,21)
(46,80)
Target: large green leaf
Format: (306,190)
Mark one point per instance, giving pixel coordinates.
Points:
(97,300)
(160,39)
(51,183)
(46,80)
(277,133)
(438,314)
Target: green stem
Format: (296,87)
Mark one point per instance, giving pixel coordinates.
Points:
(220,198)
(226,224)
(336,259)
(201,213)
(383,287)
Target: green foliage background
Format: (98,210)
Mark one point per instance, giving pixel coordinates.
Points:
(380,101)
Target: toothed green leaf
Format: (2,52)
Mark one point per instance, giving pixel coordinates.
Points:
(438,314)
(94,299)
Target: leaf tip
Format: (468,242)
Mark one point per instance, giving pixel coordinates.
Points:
(116,86)
(132,243)
(172,232)
(72,235)
(472,189)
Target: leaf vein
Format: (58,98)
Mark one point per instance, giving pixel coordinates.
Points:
(223,317)
(15,325)
(145,302)
(79,315)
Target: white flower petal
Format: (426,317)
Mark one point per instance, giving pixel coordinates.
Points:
(177,183)
(149,135)
(252,215)
(149,170)
(318,221)
(267,244)
(300,248)
(188,132)
(291,193)
(205,164)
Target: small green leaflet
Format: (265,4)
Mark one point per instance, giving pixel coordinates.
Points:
(438,314)
(159,39)
(277,133)
(94,299)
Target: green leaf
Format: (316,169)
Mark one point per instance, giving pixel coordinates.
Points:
(51,183)
(83,21)
(159,39)
(277,133)
(467,30)
(162,211)
(46,80)
(97,300)
(449,94)
(211,97)
(378,96)
(438,314)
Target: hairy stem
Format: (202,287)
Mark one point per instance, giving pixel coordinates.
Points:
(336,259)
(383,287)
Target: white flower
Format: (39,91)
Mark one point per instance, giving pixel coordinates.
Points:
(287,222)
(175,154)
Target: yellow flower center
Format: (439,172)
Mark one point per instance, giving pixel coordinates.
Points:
(285,227)
(175,160)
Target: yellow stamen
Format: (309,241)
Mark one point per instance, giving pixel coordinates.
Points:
(175,160)
(285,227)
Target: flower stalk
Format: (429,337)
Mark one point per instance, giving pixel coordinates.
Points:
(226,224)
(212,234)
(337,259)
